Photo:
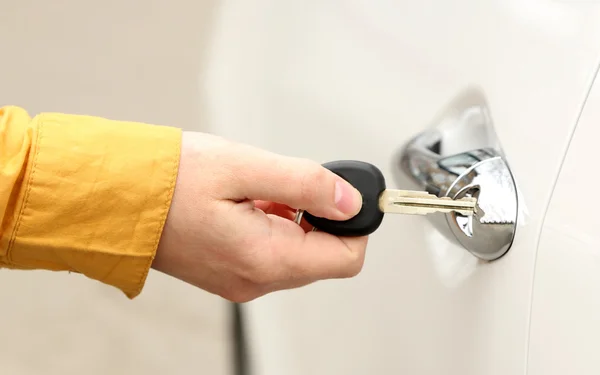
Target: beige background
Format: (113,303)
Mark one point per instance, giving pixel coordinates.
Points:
(135,60)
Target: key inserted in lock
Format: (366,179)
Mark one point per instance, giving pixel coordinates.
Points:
(431,162)
(377,200)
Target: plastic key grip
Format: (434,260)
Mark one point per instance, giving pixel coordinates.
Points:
(367,179)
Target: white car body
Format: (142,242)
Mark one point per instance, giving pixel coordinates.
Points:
(355,79)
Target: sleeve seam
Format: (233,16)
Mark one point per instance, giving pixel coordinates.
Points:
(29,185)
(163,219)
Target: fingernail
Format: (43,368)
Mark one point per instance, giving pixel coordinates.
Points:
(347,199)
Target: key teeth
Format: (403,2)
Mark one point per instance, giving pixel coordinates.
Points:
(501,222)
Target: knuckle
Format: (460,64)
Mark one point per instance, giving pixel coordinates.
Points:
(257,268)
(354,266)
(242,293)
(262,277)
(258,263)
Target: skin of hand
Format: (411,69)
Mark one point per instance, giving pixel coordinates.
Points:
(230,228)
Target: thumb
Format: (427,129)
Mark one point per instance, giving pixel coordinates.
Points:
(298,183)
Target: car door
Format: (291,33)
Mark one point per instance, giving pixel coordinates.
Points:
(565,333)
(358,79)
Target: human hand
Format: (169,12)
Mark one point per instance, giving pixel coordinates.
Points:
(230,228)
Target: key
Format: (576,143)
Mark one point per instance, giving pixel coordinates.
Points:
(378,200)
(422,203)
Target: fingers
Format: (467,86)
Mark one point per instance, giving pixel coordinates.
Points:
(285,257)
(297,183)
(315,255)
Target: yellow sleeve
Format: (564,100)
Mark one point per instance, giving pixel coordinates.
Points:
(84,194)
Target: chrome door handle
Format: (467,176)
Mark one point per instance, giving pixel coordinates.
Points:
(461,156)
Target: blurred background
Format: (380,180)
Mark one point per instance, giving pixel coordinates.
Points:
(138,60)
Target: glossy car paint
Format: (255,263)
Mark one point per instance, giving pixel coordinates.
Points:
(339,79)
(565,329)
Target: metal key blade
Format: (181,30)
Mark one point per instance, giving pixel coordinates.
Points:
(422,203)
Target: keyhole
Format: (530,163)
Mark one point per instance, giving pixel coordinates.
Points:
(465,223)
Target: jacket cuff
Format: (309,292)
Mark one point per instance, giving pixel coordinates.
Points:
(96,195)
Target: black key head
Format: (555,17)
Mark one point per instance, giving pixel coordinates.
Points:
(367,179)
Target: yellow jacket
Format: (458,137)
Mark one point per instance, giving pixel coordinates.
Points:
(84,194)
